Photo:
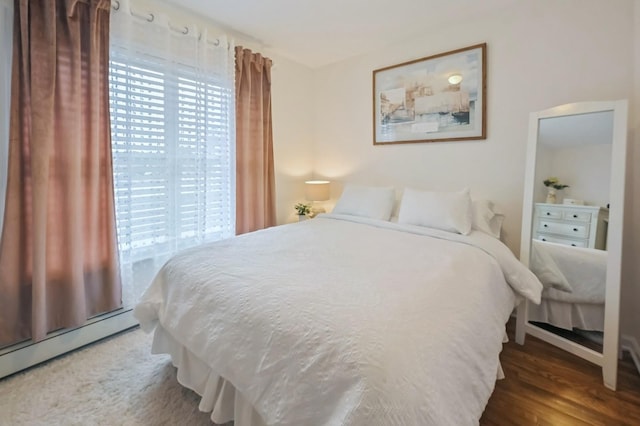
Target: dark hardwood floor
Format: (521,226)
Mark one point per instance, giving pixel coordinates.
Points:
(545,385)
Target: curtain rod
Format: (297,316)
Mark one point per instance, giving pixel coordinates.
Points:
(150,17)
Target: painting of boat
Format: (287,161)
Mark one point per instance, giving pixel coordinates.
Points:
(454,103)
(437,98)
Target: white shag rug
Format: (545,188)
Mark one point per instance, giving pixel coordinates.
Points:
(113,382)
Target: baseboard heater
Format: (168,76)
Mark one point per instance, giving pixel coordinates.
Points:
(21,356)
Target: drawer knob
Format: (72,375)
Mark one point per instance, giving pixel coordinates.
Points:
(548,214)
(573,245)
(575,229)
(544,239)
(575,215)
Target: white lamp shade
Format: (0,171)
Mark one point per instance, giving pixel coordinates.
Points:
(316,190)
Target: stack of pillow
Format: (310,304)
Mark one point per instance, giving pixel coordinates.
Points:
(447,211)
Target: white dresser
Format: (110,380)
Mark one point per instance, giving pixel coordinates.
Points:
(578,226)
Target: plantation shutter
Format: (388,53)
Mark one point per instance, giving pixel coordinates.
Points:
(173,141)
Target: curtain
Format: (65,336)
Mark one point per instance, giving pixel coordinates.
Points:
(58,260)
(255,178)
(6,28)
(172,122)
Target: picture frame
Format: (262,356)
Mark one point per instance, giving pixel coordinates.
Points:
(438,98)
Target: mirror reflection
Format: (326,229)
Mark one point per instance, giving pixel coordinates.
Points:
(569,224)
(575,171)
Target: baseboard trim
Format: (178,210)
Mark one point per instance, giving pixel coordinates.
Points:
(631,345)
(29,354)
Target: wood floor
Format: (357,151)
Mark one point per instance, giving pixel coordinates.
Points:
(548,386)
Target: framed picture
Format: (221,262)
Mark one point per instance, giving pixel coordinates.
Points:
(438,98)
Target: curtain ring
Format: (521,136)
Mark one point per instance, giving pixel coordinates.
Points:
(151,17)
(116,5)
(186,30)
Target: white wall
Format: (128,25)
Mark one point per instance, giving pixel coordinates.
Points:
(540,54)
(587,169)
(292,94)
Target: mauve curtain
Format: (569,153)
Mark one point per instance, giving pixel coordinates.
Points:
(255,178)
(58,260)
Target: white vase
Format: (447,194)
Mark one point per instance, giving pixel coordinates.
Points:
(302,217)
(551,195)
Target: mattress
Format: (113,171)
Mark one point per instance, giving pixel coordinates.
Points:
(339,320)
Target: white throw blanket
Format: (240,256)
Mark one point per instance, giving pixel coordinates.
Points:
(341,321)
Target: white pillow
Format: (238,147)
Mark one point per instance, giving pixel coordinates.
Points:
(485,219)
(448,211)
(366,201)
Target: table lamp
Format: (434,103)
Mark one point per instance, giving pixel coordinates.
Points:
(316,190)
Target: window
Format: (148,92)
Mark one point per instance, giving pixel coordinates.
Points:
(172,132)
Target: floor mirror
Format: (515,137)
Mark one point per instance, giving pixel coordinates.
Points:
(572,231)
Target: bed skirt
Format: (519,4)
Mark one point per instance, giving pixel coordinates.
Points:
(218,396)
(585,316)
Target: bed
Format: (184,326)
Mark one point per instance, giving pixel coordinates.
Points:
(339,320)
(574,286)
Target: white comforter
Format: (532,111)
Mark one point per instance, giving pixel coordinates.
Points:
(340,321)
(583,270)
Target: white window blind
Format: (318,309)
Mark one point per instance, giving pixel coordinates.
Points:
(173,139)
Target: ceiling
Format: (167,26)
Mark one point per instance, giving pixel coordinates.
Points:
(319,33)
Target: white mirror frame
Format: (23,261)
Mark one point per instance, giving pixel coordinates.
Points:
(608,359)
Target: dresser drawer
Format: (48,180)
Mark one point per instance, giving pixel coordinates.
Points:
(580,226)
(577,216)
(550,213)
(569,229)
(566,242)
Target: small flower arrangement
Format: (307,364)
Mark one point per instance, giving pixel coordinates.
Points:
(554,183)
(302,209)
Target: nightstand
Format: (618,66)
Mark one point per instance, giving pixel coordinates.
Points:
(572,225)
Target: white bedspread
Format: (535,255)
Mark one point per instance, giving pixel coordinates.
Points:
(337,321)
(584,270)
